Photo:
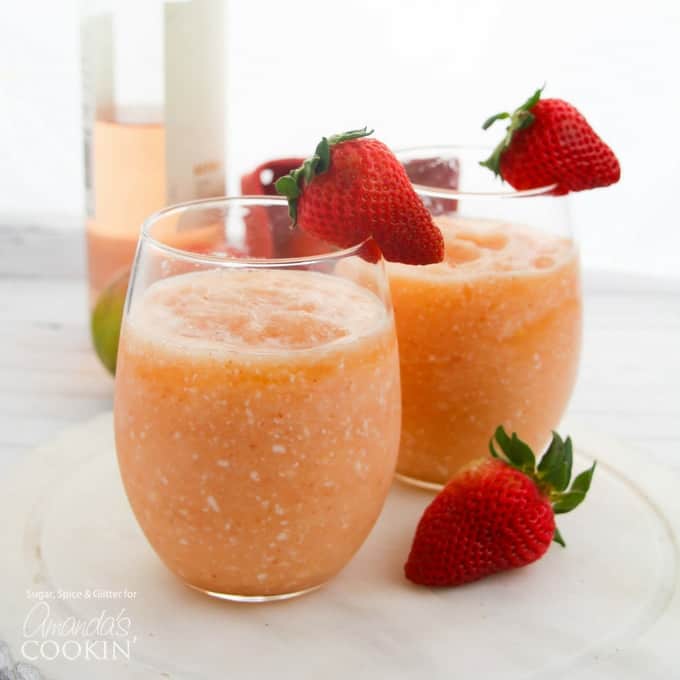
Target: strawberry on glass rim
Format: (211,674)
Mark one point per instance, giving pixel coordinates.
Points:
(354,188)
(549,142)
(497,513)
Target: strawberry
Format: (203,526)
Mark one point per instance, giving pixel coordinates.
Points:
(353,188)
(549,142)
(497,513)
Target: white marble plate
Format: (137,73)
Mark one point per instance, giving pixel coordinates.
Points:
(607,606)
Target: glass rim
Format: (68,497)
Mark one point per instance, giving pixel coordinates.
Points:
(433,192)
(234,261)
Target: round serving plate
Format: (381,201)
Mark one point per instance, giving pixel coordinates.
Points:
(72,556)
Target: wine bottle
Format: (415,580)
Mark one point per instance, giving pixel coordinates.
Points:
(153,76)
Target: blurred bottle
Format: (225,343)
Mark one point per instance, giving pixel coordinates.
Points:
(153,75)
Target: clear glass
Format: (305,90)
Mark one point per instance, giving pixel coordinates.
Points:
(492,335)
(257,398)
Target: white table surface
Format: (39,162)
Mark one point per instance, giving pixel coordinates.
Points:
(628,385)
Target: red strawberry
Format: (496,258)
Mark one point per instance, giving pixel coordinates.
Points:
(549,142)
(496,514)
(353,188)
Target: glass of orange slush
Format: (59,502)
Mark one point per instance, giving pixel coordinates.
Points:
(257,399)
(492,335)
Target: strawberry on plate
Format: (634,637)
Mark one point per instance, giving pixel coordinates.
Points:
(497,513)
(549,142)
(353,188)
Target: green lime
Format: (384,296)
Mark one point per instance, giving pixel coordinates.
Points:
(106,320)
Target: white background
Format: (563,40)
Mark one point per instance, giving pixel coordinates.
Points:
(418,71)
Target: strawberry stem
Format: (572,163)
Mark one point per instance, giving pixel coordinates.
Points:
(520,118)
(551,475)
(292,185)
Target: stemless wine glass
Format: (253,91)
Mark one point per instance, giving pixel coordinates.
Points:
(492,335)
(257,400)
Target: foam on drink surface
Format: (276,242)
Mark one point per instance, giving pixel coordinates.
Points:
(255,310)
(483,248)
